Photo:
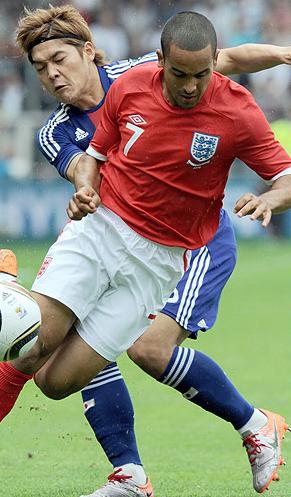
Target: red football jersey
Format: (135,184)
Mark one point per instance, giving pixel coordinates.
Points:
(166,166)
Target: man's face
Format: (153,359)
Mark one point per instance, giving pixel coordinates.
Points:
(186,75)
(62,70)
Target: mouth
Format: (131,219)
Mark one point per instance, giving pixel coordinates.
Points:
(60,88)
(189,97)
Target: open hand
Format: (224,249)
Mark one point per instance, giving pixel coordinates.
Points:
(255,206)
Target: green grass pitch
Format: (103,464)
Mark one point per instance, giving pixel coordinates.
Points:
(48,450)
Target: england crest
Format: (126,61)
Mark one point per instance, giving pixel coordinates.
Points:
(203,147)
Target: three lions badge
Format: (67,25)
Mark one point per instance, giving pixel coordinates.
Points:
(203,148)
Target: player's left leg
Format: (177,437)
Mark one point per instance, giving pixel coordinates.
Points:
(202,381)
(193,306)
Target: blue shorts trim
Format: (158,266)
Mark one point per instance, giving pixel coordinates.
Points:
(194,302)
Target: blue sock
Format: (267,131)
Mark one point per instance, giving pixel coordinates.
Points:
(204,383)
(109,411)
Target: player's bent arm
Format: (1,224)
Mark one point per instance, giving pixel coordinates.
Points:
(251,57)
(70,171)
(274,201)
(84,173)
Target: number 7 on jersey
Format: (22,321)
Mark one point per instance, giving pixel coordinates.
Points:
(137,132)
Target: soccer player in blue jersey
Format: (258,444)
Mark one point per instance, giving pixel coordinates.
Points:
(72,78)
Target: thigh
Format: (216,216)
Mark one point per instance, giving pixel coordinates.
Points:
(194,302)
(71,367)
(56,320)
(118,320)
(73,271)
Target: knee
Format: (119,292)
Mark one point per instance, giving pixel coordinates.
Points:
(34,358)
(139,352)
(150,357)
(51,387)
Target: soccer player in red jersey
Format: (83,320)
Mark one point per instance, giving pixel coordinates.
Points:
(169,137)
(200,143)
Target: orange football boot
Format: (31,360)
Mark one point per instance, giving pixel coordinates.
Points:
(264,450)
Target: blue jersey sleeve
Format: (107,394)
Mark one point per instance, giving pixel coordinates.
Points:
(117,68)
(56,140)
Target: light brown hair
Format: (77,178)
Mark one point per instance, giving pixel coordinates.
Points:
(39,25)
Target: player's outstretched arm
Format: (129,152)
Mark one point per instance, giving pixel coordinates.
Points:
(251,57)
(84,173)
(261,207)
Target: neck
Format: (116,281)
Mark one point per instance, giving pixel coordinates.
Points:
(93,92)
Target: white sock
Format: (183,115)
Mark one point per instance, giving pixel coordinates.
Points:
(136,471)
(255,423)
(7,277)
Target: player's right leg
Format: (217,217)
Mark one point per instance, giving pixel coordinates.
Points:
(57,321)
(65,294)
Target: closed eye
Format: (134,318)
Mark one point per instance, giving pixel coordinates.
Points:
(39,68)
(180,75)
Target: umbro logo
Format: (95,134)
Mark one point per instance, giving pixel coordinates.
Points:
(137,119)
(80,134)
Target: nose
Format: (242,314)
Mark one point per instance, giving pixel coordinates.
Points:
(52,71)
(191,86)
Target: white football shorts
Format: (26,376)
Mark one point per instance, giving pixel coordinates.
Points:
(111,277)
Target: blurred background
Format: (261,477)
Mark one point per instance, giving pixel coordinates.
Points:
(32,196)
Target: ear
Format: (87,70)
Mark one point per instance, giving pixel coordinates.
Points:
(161,60)
(89,50)
(215,58)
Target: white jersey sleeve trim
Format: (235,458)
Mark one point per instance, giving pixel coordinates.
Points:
(46,135)
(115,70)
(282,173)
(91,151)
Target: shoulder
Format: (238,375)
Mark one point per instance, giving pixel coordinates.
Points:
(232,99)
(138,78)
(230,87)
(227,90)
(59,116)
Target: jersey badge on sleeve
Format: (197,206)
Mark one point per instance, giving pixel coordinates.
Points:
(203,148)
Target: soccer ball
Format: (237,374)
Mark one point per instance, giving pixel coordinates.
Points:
(20,319)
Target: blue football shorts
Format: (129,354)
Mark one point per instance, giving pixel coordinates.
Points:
(194,302)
